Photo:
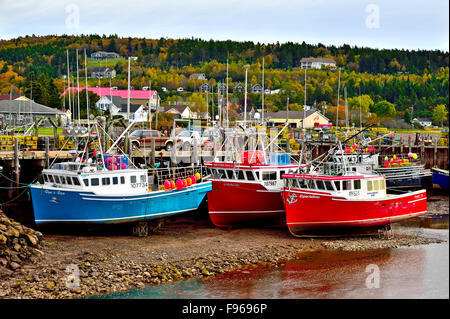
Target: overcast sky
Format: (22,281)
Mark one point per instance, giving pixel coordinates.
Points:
(408,24)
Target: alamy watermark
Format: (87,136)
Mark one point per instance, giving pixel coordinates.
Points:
(373,279)
(373,19)
(73,17)
(73,277)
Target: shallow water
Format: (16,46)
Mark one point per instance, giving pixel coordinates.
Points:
(409,272)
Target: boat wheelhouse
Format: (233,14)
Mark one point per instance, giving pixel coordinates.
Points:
(246,193)
(324,204)
(403,173)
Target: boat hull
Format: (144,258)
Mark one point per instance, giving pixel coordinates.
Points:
(440,178)
(233,204)
(53,205)
(316,212)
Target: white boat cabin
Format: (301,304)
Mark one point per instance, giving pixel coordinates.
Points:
(267,175)
(348,186)
(86,178)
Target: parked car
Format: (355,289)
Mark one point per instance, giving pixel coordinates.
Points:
(186,138)
(143,138)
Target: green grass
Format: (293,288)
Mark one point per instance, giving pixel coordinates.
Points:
(107,63)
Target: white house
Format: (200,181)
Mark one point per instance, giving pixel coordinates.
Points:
(180,111)
(180,89)
(197,76)
(316,63)
(423,122)
(117,105)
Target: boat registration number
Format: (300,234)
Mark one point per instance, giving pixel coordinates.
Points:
(270,183)
(139,185)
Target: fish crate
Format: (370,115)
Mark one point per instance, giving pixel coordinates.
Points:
(4,138)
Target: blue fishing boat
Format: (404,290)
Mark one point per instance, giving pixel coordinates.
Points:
(440,177)
(105,188)
(81,193)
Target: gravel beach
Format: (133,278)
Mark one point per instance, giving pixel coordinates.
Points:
(77,264)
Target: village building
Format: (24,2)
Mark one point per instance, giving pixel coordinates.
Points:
(141,97)
(204,88)
(316,63)
(238,88)
(179,111)
(100,55)
(256,88)
(424,122)
(197,76)
(23,111)
(103,73)
(297,119)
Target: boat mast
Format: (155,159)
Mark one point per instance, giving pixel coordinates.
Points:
(304,104)
(149,112)
(227,92)
(68,85)
(337,107)
(78,93)
(87,92)
(262,96)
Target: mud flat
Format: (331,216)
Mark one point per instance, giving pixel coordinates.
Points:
(77,263)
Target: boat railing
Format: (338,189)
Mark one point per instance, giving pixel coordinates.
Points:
(160,175)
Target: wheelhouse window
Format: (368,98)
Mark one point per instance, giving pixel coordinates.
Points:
(240,175)
(143,179)
(382,184)
(132,179)
(338,185)
(230,174)
(320,184)
(95,182)
(45,178)
(122,179)
(357,184)
(86,182)
(75,181)
(69,180)
(329,186)
(50,179)
(106,181)
(57,179)
(375,185)
(266,176)
(369,186)
(346,185)
(250,175)
(115,180)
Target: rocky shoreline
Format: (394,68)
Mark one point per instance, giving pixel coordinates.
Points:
(77,266)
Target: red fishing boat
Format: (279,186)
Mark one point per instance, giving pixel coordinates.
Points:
(249,191)
(322,204)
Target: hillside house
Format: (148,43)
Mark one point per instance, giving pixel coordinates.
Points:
(103,73)
(316,63)
(100,55)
